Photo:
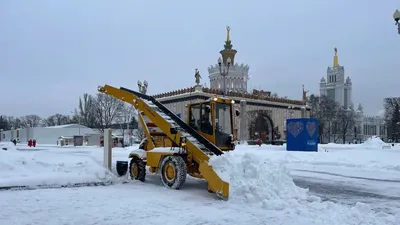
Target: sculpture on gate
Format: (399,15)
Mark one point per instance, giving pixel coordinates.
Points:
(304,95)
(197,76)
(142,87)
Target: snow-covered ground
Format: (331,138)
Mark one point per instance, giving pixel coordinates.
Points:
(265,188)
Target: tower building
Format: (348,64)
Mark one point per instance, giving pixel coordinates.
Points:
(238,75)
(335,86)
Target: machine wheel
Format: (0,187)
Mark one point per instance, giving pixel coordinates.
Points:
(137,169)
(173,171)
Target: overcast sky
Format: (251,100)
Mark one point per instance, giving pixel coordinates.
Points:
(51,52)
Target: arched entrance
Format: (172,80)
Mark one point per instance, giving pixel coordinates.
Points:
(261,126)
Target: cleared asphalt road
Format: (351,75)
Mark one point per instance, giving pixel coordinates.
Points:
(350,195)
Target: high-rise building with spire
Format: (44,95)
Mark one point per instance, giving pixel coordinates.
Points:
(335,86)
(339,89)
(238,75)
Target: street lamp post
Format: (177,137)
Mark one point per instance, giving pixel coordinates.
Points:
(224,72)
(398,124)
(396,17)
(79,122)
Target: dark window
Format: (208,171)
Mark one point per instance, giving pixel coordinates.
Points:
(206,122)
(223,124)
(194,117)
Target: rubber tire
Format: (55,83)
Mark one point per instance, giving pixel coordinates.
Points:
(141,165)
(179,165)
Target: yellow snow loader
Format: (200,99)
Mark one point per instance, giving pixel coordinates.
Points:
(174,148)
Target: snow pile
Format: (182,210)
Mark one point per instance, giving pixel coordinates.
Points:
(252,179)
(45,169)
(7,146)
(259,181)
(374,143)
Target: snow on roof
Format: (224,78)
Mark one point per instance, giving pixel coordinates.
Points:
(73,125)
(65,137)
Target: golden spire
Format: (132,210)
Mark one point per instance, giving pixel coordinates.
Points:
(335,59)
(228,29)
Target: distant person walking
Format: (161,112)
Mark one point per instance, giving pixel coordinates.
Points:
(34,142)
(30,143)
(15,142)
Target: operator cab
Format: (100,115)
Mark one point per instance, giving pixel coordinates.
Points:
(213,119)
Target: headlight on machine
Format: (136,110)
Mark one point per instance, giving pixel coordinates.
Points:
(183,141)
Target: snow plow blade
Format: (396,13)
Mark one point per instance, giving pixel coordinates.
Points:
(215,183)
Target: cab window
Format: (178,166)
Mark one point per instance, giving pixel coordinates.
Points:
(194,117)
(206,122)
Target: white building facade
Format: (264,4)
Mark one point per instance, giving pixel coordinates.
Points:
(235,81)
(369,126)
(46,135)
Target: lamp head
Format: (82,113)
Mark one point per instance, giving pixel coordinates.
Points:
(396,16)
(219,61)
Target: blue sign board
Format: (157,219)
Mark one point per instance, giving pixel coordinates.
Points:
(302,134)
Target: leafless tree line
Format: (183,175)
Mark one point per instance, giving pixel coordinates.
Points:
(98,111)
(102,111)
(336,123)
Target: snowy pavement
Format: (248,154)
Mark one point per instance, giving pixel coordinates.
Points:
(350,195)
(264,188)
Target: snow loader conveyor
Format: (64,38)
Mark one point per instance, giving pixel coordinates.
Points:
(196,148)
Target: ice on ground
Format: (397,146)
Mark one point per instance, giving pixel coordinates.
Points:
(264,183)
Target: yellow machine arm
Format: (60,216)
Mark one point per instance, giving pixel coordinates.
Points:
(150,145)
(198,148)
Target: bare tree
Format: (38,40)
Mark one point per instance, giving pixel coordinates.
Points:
(31,120)
(107,109)
(392,118)
(396,122)
(57,119)
(14,122)
(4,125)
(345,120)
(124,118)
(313,102)
(323,109)
(139,133)
(87,114)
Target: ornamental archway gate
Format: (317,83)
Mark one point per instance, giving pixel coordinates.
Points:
(262,126)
